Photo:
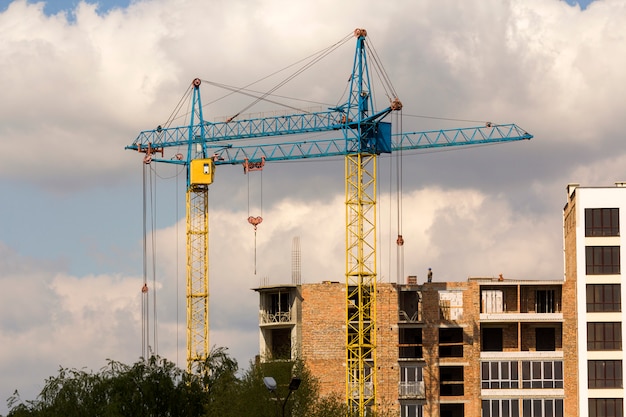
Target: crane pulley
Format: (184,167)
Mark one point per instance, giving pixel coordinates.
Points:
(362,135)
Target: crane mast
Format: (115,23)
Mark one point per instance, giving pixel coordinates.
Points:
(360,172)
(364,137)
(197,231)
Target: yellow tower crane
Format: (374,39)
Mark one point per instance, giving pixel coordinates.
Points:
(363,136)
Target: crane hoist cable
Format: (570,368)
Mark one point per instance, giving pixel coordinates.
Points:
(254,220)
(144,288)
(400,239)
(149,345)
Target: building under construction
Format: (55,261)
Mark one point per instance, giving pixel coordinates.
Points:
(486,346)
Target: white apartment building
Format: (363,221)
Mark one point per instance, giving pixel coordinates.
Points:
(594,247)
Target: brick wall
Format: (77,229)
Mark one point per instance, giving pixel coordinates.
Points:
(323,335)
(570,318)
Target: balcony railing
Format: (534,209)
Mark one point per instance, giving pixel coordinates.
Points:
(276,317)
(414,316)
(413,389)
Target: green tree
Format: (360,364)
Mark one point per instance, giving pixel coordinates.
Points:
(157,388)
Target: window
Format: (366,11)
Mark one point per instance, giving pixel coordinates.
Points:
(408,409)
(410,343)
(545,339)
(606,407)
(491,339)
(499,375)
(450,380)
(410,305)
(542,374)
(451,343)
(604,374)
(604,298)
(602,260)
(451,410)
(604,336)
(602,222)
(544,301)
(500,408)
(542,408)
(451,305)
(280,344)
(492,301)
(411,381)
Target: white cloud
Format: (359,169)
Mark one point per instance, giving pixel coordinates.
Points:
(75,93)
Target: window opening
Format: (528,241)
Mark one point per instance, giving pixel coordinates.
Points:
(542,408)
(408,409)
(280,344)
(410,341)
(450,381)
(604,374)
(491,339)
(410,306)
(545,301)
(606,407)
(542,374)
(492,301)
(451,410)
(545,339)
(602,222)
(604,336)
(604,298)
(500,408)
(602,260)
(411,381)
(500,375)
(451,342)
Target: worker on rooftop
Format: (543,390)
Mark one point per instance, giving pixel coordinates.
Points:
(430,275)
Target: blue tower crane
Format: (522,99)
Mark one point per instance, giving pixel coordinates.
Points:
(362,135)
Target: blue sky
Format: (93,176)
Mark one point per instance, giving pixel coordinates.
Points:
(582,3)
(54,6)
(77,88)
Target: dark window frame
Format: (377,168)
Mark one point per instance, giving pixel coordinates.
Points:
(604,298)
(506,407)
(499,375)
(604,336)
(542,374)
(601,222)
(540,407)
(610,407)
(605,374)
(602,260)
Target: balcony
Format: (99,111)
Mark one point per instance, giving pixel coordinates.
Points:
(521,317)
(521,303)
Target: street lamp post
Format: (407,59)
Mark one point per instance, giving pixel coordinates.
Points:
(270,384)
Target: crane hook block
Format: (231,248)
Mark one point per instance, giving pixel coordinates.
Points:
(255,221)
(201,171)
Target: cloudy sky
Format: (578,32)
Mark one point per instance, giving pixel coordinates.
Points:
(79,81)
